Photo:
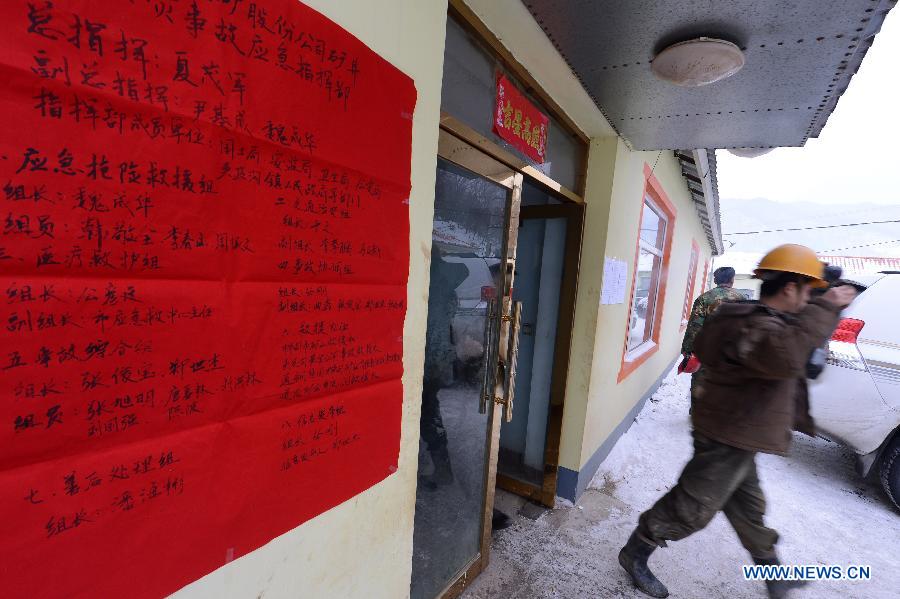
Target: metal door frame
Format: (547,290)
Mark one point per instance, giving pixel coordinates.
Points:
(545,493)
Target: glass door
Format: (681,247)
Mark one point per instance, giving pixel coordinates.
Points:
(469,365)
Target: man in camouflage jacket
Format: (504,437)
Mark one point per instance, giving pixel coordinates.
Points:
(703,307)
(707,303)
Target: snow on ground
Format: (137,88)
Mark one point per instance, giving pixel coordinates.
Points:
(825,513)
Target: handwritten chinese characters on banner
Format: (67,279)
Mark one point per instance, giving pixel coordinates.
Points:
(203,268)
(519,122)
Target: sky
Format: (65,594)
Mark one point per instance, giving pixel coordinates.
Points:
(856,156)
(848,174)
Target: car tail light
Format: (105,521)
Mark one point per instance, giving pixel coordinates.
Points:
(488,292)
(842,348)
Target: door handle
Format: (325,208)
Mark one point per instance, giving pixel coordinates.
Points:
(513,357)
(487,384)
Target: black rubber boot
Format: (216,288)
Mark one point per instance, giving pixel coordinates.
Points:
(443,473)
(778,589)
(633,558)
(499,520)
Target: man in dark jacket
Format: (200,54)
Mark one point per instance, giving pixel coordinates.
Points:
(440,354)
(752,395)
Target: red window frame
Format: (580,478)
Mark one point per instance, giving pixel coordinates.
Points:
(660,200)
(705,283)
(692,279)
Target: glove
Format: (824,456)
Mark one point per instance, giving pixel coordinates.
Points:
(816,363)
(690,364)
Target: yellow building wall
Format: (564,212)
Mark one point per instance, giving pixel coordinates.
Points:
(363,547)
(600,179)
(608,401)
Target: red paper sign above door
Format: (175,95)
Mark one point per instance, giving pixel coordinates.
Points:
(203,274)
(519,122)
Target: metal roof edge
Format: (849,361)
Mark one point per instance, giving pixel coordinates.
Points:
(707,160)
(698,167)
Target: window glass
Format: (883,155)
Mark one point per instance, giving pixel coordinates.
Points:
(647,275)
(644,305)
(653,227)
(533,195)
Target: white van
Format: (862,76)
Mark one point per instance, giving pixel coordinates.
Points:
(856,399)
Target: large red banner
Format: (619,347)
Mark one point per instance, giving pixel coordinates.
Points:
(203,268)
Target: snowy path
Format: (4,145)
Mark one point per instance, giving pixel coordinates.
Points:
(825,513)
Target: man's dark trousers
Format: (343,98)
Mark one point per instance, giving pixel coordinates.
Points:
(718,477)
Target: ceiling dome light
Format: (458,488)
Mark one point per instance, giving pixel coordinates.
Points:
(749,152)
(698,62)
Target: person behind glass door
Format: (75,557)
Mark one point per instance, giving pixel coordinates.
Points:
(440,355)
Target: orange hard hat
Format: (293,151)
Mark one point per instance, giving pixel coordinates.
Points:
(793,258)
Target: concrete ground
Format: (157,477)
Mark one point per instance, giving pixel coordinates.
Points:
(825,513)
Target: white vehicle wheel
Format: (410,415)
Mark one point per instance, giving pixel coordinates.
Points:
(890,471)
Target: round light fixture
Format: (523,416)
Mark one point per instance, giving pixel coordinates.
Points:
(749,152)
(698,62)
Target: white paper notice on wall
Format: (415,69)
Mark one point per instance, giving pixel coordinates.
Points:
(615,274)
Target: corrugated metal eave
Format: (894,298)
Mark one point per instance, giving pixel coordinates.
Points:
(702,184)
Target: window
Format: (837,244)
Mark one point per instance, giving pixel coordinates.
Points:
(692,277)
(651,246)
(654,248)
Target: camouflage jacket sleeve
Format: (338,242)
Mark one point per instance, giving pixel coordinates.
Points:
(698,315)
(705,305)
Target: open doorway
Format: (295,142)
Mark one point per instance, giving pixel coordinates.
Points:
(546,271)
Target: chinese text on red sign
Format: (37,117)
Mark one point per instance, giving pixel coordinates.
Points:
(203,268)
(519,122)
